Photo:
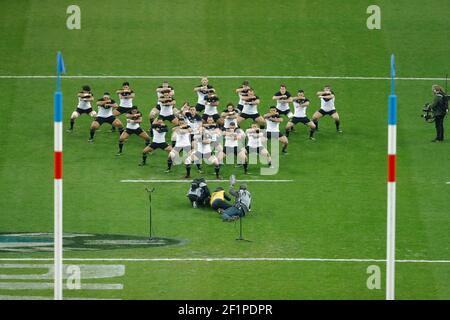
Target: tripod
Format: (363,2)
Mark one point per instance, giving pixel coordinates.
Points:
(241,238)
(150,191)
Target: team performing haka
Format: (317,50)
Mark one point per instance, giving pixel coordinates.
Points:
(204,134)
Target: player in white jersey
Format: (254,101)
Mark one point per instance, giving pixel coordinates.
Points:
(283,99)
(126,96)
(182,143)
(301,103)
(229,115)
(215,132)
(211,104)
(85,97)
(167,108)
(105,105)
(242,91)
(163,89)
(160,130)
(273,120)
(327,107)
(250,109)
(202,92)
(203,151)
(234,144)
(255,138)
(134,120)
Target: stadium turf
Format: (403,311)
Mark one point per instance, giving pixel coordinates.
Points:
(335,207)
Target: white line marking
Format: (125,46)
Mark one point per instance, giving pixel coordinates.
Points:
(50,285)
(185,181)
(217,77)
(3,297)
(224,259)
(448,182)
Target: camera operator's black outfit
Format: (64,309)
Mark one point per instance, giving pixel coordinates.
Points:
(439,109)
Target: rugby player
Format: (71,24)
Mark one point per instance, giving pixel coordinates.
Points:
(134,119)
(327,107)
(234,144)
(255,138)
(215,133)
(167,108)
(106,105)
(204,151)
(159,129)
(283,98)
(85,97)
(301,103)
(250,109)
(242,91)
(126,96)
(229,115)
(211,104)
(202,92)
(164,88)
(183,142)
(273,120)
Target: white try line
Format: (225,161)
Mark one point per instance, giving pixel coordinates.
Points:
(219,77)
(214,180)
(224,259)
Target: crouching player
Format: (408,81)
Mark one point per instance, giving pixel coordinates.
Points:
(273,120)
(85,97)
(301,103)
(255,145)
(326,108)
(134,119)
(105,115)
(203,151)
(234,144)
(159,130)
(182,132)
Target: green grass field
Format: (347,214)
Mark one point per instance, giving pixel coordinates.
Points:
(335,208)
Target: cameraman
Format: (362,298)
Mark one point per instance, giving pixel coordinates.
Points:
(439,108)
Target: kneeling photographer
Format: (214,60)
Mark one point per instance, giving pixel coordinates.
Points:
(438,109)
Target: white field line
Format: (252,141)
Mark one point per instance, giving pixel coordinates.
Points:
(216,180)
(218,77)
(448,182)
(224,259)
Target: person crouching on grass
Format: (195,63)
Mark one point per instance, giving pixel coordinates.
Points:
(327,107)
(134,119)
(106,105)
(85,97)
(218,202)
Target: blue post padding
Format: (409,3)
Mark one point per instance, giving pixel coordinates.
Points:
(58,106)
(392,111)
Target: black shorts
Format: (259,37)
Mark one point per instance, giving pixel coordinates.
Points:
(81,111)
(199,107)
(167,118)
(137,131)
(234,150)
(102,120)
(304,120)
(240,107)
(251,116)
(200,155)
(214,116)
(271,135)
(123,110)
(325,113)
(156,145)
(285,112)
(254,150)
